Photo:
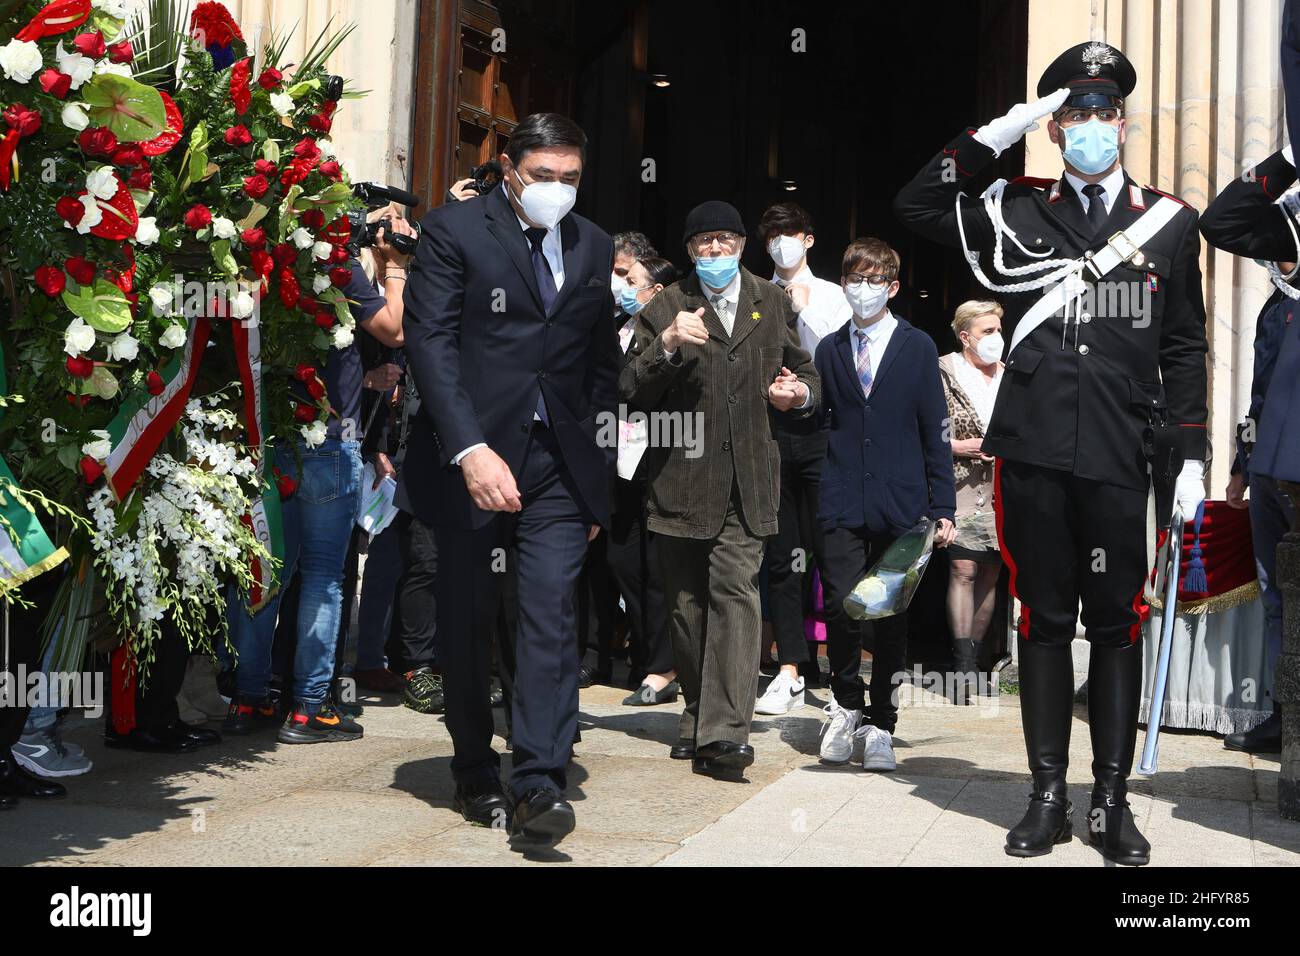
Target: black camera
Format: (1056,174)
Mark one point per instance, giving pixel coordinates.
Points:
(365,233)
(487,177)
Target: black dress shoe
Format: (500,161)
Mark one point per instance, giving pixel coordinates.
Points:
(723,759)
(483,804)
(16,782)
(201,736)
(586,676)
(542,819)
(683,750)
(1047,822)
(147,742)
(1263,739)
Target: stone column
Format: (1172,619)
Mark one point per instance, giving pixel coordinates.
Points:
(1286,682)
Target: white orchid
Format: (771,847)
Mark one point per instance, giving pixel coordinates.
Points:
(123,348)
(20,60)
(101,447)
(146,233)
(174,337)
(78,337)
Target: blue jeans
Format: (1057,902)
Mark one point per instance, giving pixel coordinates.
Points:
(1270,518)
(43,718)
(317,521)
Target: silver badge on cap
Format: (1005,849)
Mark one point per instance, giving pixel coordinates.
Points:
(1095,55)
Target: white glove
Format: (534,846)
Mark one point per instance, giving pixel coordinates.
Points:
(1189,488)
(1005,131)
(1288,154)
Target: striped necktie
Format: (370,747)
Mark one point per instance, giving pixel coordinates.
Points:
(719,303)
(864,363)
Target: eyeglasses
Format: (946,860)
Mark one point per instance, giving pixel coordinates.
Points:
(1075,115)
(855,279)
(705,240)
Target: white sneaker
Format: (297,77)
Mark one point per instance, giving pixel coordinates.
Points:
(782,695)
(878,750)
(838,732)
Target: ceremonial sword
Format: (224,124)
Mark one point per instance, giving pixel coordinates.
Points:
(1172,566)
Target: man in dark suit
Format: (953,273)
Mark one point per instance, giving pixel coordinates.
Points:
(709,355)
(1105,376)
(888,465)
(509,339)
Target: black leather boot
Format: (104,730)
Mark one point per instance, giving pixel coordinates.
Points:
(1266,738)
(1046,707)
(1114,693)
(965,666)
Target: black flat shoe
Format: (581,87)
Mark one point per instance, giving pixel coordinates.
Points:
(723,759)
(144,741)
(484,805)
(1047,822)
(542,819)
(682,750)
(15,782)
(1263,739)
(201,736)
(647,696)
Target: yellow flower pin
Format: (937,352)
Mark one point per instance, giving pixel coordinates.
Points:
(754,316)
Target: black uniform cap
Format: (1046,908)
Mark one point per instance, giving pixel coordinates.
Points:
(1097,75)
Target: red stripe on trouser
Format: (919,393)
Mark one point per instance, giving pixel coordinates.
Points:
(1023,626)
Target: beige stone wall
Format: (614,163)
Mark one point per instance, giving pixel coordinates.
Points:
(1207,105)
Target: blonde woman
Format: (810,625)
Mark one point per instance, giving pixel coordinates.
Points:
(971,377)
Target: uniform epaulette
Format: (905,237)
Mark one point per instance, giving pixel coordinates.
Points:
(1161,192)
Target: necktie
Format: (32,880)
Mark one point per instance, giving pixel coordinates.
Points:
(1096,206)
(864,363)
(546,286)
(720,307)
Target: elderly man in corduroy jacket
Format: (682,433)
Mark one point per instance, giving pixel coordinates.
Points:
(713,359)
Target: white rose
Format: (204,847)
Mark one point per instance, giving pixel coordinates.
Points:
(174,337)
(146,234)
(91,216)
(101,447)
(242,305)
(223,228)
(74,116)
(326,149)
(80,68)
(108,66)
(123,348)
(282,103)
(102,183)
(161,296)
(320,282)
(342,336)
(78,337)
(20,60)
(321,250)
(302,238)
(313,434)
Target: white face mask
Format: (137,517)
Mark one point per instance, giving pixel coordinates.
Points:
(865,301)
(989,348)
(546,203)
(616,286)
(786,251)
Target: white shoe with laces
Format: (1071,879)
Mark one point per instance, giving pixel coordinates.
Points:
(838,732)
(782,695)
(878,750)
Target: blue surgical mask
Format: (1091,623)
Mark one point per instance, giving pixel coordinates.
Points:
(627,300)
(717,273)
(1091,147)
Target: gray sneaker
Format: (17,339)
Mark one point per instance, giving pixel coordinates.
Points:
(45,754)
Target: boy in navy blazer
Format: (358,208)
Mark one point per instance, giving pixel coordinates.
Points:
(888,464)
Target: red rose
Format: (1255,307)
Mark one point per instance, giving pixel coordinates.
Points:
(308,304)
(313,219)
(128,154)
(289,290)
(270,78)
(90,44)
(154,383)
(198,217)
(262,262)
(304,372)
(141,178)
(97,141)
(321,124)
(265,167)
(240,94)
(315,388)
(286,485)
(254,238)
(256,186)
(284,254)
(325,320)
(238,136)
(80,269)
(79,366)
(305,413)
(340,276)
(296,171)
(90,469)
(339,255)
(55,83)
(50,280)
(306,148)
(69,209)
(331,170)
(211,23)
(77,400)
(121,52)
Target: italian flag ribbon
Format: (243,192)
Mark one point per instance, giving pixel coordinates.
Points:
(25,549)
(144,422)
(264,517)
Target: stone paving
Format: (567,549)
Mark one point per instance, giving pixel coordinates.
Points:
(385,800)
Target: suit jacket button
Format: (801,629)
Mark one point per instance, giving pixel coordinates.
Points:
(731,356)
(1083,350)
(731,399)
(726,446)
(867,476)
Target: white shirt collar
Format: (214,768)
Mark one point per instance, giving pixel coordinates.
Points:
(804,275)
(1111,186)
(879,329)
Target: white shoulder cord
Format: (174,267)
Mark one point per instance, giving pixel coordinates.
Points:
(1290,203)
(1048,271)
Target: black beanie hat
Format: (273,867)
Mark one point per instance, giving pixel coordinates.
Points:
(713,215)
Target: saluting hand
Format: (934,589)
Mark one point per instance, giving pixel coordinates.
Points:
(687,328)
(1006,131)
(490,482)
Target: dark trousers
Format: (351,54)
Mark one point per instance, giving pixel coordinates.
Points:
(550,536)
(716,624)
(1270,519)
(415,621)
(1066,540)
(25,648)
(850,553)
(597,606)
(633,555)
(803,452)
